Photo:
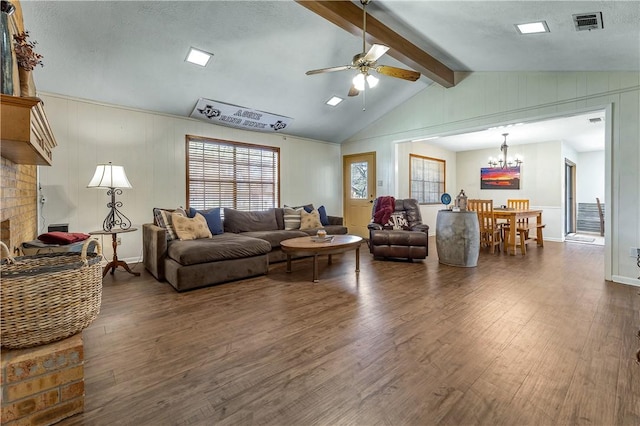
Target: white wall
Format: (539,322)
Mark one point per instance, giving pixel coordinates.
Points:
(151,147)
(486,99)
(541,177)
(590,177)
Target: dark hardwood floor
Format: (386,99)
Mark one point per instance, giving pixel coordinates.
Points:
(540,339)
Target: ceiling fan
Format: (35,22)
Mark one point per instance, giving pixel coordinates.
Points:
(366,61)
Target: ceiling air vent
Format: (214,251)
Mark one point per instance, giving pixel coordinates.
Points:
(588,21)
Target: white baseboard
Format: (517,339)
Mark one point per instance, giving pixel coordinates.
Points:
(625,280)
(555,240)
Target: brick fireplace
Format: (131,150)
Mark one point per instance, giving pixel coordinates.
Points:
(18,222)
(45,384)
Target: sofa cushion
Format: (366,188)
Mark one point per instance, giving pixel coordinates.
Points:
(162,218)
(219,247)
(214,220)
(190,228)
(307,207)
(275,237)
(237,221)
(310,220)
(331,230)
(279,212)
(292,218)
(324,219)
(242,221)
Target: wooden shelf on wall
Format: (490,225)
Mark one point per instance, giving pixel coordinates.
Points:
(26,135)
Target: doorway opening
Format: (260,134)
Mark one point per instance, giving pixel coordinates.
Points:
(569,197)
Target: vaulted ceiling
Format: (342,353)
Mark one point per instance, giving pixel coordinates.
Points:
(132,53)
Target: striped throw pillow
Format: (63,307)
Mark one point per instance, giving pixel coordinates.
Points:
(162,218)
(292,218)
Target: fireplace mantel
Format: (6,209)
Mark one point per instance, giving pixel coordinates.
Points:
(26,135)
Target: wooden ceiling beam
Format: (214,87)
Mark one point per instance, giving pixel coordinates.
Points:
(348,16)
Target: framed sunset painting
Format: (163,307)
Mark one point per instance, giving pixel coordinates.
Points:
(496,178)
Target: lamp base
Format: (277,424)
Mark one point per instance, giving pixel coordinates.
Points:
(115,218)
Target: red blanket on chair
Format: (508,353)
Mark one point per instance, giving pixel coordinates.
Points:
(384,207)
(62,238)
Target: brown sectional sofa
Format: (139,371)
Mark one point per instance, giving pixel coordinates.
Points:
(232,255)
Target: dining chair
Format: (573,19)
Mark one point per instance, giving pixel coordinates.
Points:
(522,225)
(490,231)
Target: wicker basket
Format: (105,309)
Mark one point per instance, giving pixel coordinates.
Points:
(48,297)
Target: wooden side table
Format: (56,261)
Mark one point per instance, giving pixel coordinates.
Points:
(115,262)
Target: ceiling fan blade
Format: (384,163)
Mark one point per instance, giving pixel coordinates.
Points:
(332,69)
(398,72)
(375,52)
(353,91)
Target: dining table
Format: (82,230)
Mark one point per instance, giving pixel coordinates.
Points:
(512,216)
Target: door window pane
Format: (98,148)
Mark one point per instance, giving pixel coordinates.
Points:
(359,176)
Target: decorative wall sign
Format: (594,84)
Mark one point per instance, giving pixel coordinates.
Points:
(499,178)
(236,116)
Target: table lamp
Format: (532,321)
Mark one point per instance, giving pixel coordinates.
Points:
(113,178)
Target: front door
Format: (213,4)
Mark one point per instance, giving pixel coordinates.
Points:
(359,189)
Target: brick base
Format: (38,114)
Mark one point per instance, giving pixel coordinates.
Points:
(43,385)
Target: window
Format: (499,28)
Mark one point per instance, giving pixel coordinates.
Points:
(426,179)
(232,174)
(359,179)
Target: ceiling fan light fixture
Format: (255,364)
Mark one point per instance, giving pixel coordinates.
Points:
(358,82)
(372,81)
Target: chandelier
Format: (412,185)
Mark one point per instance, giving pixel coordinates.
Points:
(504,162)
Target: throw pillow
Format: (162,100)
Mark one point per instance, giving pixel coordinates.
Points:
(292,218)
(398,220)
(189,228)
(213,218)
(310,220)
(307,207)
(324,219)
(162,218)
(241,221)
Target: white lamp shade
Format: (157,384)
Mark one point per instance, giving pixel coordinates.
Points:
(358,82)
(109,176)
(372,81)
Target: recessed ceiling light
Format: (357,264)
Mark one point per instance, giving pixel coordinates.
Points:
(334,101)
(198,57)
(533,27)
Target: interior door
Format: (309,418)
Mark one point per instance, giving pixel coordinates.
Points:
(359,189)
(569,197)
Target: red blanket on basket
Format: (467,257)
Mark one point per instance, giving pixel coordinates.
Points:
(385,206)
(62,238)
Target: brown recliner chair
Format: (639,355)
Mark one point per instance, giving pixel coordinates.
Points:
(410,243)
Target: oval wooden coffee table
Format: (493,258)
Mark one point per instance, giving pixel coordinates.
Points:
(305,246)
